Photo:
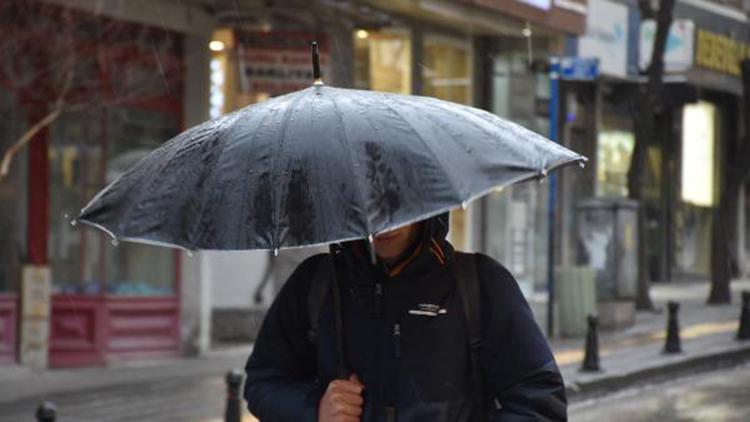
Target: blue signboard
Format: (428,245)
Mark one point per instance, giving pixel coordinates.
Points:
(579,68)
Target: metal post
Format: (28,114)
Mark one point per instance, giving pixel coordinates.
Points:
(743,331)
(673,344)
(232,412)
(554,81)
(591,349)
(46,412)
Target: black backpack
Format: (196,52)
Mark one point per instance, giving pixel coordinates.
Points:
(467,280)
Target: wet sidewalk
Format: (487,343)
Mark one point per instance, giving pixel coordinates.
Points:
(635,355)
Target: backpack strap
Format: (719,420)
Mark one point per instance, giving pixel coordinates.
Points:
(318,290)
(467,281)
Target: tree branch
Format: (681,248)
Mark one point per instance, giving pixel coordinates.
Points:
(25,139)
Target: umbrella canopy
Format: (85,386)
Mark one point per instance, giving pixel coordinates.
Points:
(316,166)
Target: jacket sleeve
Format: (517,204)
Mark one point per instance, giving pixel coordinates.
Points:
(281,371)
(522,381)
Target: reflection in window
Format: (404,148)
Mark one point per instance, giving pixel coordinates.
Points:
(134,269)
(82,260)
(75,169)
(613,161)
(382,61)
(447,69)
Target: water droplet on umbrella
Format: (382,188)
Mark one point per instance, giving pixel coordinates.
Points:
(275,251)
(73,223)
(115,242)
(581,164)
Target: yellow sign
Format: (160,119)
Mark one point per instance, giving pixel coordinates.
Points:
(720,53)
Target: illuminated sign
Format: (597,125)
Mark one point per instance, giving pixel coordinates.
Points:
(720,53)
(698,138)
(277,62)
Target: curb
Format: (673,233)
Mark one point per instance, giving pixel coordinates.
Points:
(580,391)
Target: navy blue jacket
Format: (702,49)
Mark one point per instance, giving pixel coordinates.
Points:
(409,346)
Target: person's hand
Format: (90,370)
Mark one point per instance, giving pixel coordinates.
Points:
(342,401)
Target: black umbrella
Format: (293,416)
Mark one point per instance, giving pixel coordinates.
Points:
(320,165)
(316,166)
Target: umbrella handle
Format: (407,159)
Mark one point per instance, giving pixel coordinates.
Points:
(341,367)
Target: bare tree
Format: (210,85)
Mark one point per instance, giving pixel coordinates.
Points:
(649,108)
(65,61)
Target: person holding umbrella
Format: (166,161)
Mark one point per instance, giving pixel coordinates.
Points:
(408,345)
(392,324)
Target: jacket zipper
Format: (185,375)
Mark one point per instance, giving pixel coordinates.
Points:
(397,340)
(378,313)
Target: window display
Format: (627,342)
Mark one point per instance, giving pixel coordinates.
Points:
(84,261)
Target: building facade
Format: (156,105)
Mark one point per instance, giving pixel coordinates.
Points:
(94,91)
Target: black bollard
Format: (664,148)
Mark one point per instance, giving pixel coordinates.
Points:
(743,332)
(46,412)
(672,344)
(591,357)
(233,379)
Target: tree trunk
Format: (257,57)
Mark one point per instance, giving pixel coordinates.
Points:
(649,106)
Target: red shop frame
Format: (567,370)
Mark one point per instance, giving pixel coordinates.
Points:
(94,329)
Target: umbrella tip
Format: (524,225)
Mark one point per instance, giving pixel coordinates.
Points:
(317,80)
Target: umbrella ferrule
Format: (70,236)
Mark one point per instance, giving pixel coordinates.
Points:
(316,63)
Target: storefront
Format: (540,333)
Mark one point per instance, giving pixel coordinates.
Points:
(684,164)
(705,127)
(121,86)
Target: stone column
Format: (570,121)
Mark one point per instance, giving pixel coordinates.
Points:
(36,296)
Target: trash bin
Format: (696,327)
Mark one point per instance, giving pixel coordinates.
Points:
(576,299)
(607,242)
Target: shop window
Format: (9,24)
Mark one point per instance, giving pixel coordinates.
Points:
(382,60)
(134,269)
(82,260)
(447,69)
(614,150)
(514,225)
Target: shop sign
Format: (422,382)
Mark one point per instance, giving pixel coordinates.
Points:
(278,62)
(698,139)
(606,37)
(678,53)
(720,53)
(579,68)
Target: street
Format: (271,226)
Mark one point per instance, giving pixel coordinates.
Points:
(718,396)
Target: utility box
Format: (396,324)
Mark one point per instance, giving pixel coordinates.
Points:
(607,241)
(576,299)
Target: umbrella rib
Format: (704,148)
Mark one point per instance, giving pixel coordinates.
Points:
(360,191)
(172,151)
(476,116)
(276,171)
(456,190)
(210,169)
